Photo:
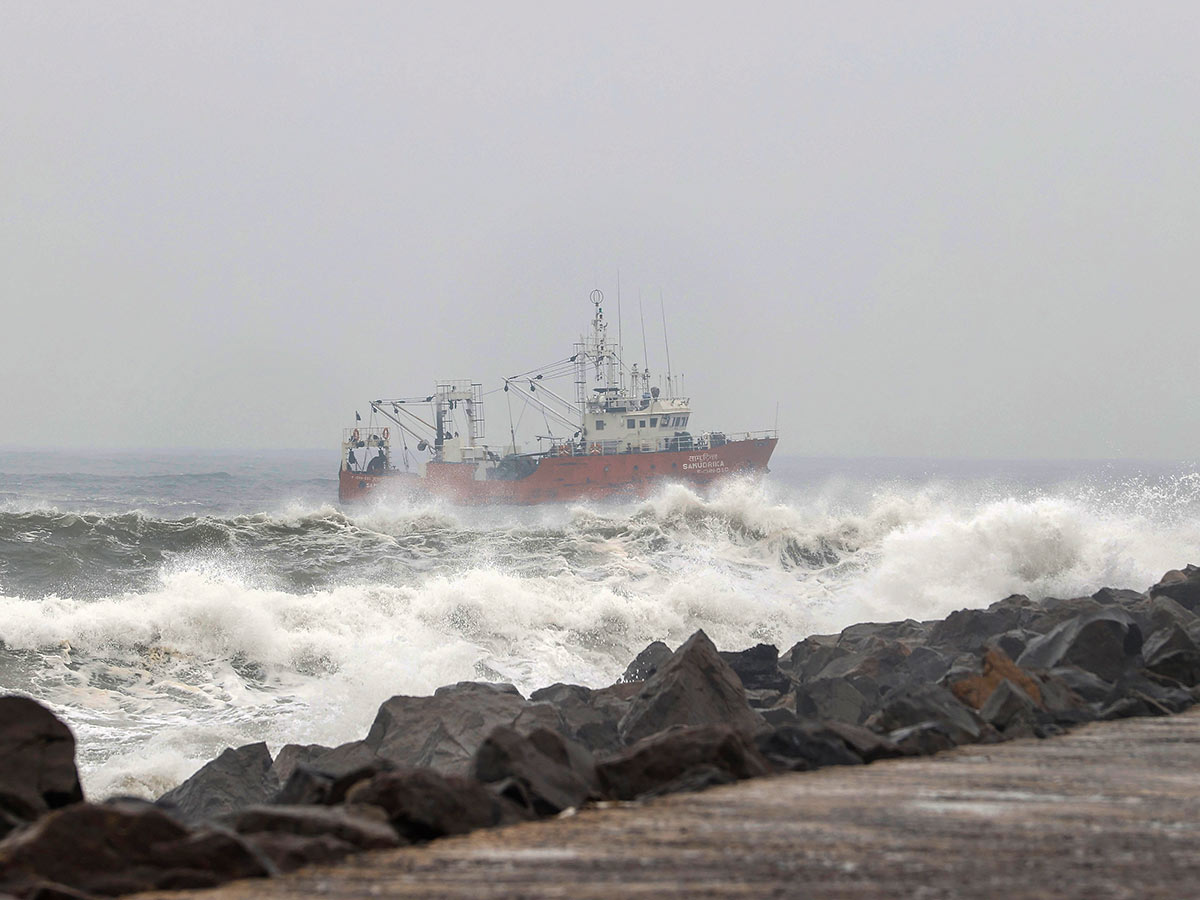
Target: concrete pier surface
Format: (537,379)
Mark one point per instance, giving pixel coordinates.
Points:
(1110,810)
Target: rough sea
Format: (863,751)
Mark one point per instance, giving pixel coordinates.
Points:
(168,605)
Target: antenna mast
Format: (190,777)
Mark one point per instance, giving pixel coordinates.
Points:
(666,343)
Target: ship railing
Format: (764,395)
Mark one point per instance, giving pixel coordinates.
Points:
(366,437)
(706,441)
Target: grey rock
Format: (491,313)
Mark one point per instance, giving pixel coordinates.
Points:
(422,804)
(694,687)
(554,774)
(830,698)
(758,667)
(668,757)
(1105,642)
(647,662)
(930,703)
(237,778)
(37,762)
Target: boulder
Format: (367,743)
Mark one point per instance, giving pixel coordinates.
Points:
(669,757)
(968,630)
(37,762)
(235,779)
(1011,643)
(647,662)
(1171,652)
(867,635)
(120,848)
(292,755)
(806,659)
(863,741)
(922,739)
(1088,686)
(930,703)
(287,851)
(1182,586)
(590,716)
(758,668)
(443,732)
(422,804)
(805,746)
(361,827)
(694,687)
(310,786)
(1104,642)
(1056,610)
(1009,705)
(997,668)
(553,774)
(830,698)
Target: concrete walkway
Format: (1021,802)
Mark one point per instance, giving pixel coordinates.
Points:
(1111,810)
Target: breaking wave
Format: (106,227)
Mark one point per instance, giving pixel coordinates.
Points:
(164,639)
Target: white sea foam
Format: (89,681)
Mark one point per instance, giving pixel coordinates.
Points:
(159,679)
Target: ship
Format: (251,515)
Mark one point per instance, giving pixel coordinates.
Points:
(620,435)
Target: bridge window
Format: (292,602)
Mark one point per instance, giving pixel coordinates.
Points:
(654,423)
(629,423)
(599,424)
(642,423)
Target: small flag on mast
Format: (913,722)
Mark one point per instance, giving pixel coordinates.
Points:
(357,417)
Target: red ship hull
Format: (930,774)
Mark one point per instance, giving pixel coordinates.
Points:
(565,478)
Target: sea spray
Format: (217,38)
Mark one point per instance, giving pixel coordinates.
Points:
(164,637)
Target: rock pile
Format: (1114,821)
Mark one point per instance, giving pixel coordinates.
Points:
(478,755)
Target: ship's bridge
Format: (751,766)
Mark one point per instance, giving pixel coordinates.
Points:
(630,423)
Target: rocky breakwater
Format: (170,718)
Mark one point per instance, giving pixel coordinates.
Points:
(477,755)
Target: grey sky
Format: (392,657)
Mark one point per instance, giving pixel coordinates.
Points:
(924,229)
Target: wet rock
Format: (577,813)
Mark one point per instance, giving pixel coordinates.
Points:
(237,778)
(1182,586)
(553,773)
(1122,597)
(37,762)
(1056,610)
(869,635)
(647,662)
(1172,653)
(287,852)
(694,687)
(422,804)
(1103,642)
(310,786)
(699,778)
(292,755)
(807,658)
(830,698)
(443,732)
(805,746)
(930,703)
(590,716)
(922,739)
(1087,685)
(974,691)
(362,827)
(661,759)
(863,741)
(758,668)
(1009,705)
(968,630)
(1011,643)
(120,848)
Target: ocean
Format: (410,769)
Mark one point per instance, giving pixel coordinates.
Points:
(168,605)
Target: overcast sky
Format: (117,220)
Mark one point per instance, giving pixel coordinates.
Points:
(942,229)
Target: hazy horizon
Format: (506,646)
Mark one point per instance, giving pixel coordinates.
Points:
(928,232)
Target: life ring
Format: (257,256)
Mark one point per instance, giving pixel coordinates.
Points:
(354,437)
(386,434)
(596,450)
